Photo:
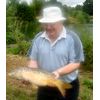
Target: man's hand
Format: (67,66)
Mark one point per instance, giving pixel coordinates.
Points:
(56,74)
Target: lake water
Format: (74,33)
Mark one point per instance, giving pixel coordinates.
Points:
(82,29)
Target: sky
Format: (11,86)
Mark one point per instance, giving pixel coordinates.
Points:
(71,3)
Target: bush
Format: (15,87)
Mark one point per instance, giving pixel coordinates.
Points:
(10,38)
(88,83)
(23,47)
(77,17)
(19,48)
(82,17)
(13,50)
(88,52)
(14,37)
(18,36)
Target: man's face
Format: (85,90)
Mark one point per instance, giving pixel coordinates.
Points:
(52,28)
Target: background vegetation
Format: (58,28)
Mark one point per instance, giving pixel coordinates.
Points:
(22,25)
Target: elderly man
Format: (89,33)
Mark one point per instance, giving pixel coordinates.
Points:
(59,51)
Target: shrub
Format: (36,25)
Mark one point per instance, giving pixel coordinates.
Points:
(18,36)
(19,48)
(10,38)
(82,17)
(13,50)
(77,17)
(23,47)
(88,83)
(88,51)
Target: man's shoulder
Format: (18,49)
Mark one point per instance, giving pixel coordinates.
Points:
(73,34)
(37,37)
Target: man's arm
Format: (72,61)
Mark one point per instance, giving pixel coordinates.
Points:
(66,69)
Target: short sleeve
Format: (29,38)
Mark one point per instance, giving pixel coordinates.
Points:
(76,49)
(32,52)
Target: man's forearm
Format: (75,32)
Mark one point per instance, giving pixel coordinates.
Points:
(68,68)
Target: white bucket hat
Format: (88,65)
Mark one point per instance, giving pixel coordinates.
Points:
(51,15)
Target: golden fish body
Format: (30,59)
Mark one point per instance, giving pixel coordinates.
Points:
(40,78)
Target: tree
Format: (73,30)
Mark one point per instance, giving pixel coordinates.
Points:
(78,7)
(11,8)
(88,7)
(24,12)
(53,3)
(36,6)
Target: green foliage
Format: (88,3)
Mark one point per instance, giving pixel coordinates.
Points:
(18,93)
(77,17)
(10,38)
(11,9)
(20,48)
(10,24)
(13,50)
(18,36)
(37,6)
(24,12)
(88,83)
(86,94)
(23,47)
(82,17)
(88,7)
(88,52)
(15,37)
(78,7)
(23,18)
(86,86)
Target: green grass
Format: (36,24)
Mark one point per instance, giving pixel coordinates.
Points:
(86,86)
(18,93)
(86,94)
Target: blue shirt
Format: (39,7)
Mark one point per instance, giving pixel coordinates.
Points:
(51,56)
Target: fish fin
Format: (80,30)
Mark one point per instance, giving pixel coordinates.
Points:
(62,86)
(66,85)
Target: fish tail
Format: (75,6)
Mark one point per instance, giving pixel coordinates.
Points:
(62,86)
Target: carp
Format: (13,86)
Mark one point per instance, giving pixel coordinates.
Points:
(40,78)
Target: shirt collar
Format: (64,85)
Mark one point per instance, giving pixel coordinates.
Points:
(62,33)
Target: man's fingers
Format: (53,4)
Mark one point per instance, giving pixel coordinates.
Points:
(56,74)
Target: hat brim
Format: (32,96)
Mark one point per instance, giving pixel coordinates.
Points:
(50,20)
